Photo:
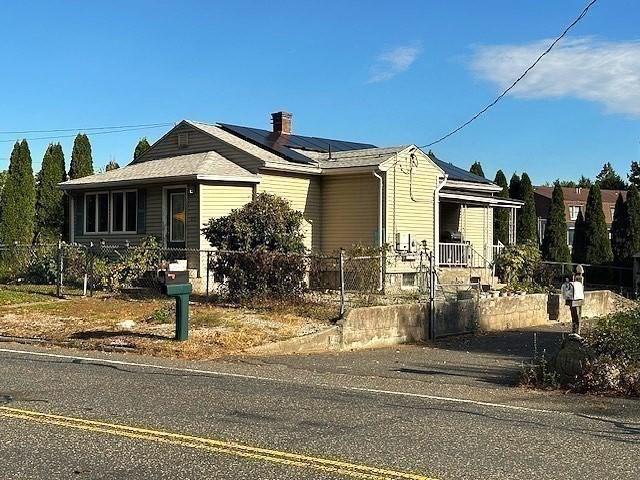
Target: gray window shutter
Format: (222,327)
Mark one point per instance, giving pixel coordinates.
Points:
(142,211)
(78,215)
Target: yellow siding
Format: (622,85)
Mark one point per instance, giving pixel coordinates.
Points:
(476,225)
(218,200)
(349,211)
(410,198)
(303,192)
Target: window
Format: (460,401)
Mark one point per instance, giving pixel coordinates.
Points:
(574,210)
(570,234)
(183,140)
(124,211)
(96,213)
(408,280)
(613,211)
(177,221)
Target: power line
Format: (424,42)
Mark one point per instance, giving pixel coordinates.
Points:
(524,74)
(104,132)
(87,129)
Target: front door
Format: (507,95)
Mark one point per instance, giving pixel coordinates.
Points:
(176,233)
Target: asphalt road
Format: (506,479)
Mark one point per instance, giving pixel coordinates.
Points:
(415,412)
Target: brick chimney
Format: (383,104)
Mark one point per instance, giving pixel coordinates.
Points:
(281,123)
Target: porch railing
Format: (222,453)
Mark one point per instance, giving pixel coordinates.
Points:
(455,254)
(497,249)
(462,255)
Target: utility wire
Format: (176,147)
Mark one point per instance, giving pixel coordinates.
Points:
(524,74)
(88,129)
(103,132)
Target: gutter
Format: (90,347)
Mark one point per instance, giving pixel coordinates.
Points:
(380,224)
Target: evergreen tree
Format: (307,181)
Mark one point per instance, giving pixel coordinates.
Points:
(598,247)
(578,249)
(112,165)
(501,215)
(554,245)
(608,179)
(634,175)
(514,187)
(527,220)
(18,198)
(81,161)
(633,207)
(621,235)
(476,169)
(49,198)
(584,182)
(141,147)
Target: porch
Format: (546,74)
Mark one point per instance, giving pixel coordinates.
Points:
(465,230)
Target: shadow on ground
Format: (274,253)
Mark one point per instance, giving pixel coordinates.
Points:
(102,334)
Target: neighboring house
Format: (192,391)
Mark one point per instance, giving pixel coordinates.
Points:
(575,201)
(348,193)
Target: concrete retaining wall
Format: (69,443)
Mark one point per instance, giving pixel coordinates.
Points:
(371,327)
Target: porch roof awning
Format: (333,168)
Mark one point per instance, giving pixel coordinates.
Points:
(190,167)
(498,202)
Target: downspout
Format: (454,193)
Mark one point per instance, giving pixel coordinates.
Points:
(380,226)
(436,255)
(436,219)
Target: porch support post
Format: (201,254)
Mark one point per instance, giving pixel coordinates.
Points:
(512,226)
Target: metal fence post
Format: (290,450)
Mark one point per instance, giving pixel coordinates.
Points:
(59,270)
(432,297)
(208,260)
(342,283)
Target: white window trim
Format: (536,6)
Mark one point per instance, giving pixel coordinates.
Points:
(574,208)
(84,220)
(124,211)
(171,195)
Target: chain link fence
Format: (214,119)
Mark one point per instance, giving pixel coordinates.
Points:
(342,279)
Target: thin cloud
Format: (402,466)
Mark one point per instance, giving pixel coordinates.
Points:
(607,73)
(393,62)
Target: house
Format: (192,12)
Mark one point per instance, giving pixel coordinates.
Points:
(348,192)
(575,201)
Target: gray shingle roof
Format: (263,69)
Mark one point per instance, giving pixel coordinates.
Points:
(205,164)
(359,158)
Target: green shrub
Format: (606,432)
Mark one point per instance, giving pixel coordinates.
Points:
(262,249)
(519,264)
(125,267)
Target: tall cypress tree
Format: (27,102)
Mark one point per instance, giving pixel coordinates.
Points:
(579,247)
(527,220)
(81,160)
(514,187)
(501,215)
(49,198)
(554,244)
(633,207)
(476,169)
(598,247)
(621,235)
(141,147)
(18,198)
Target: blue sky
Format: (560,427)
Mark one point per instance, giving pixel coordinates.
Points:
(381,72)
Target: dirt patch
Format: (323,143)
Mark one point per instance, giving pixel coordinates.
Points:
(146,325)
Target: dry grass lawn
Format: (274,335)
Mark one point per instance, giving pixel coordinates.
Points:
(146,325)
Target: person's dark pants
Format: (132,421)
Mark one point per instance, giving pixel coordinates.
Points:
(575,319)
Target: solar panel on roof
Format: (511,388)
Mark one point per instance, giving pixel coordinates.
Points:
(283,144)
(457,173)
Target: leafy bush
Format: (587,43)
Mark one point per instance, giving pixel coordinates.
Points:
(519,264)
(124,268)
(262,249)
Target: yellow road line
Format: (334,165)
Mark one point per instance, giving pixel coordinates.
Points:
(215,446)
